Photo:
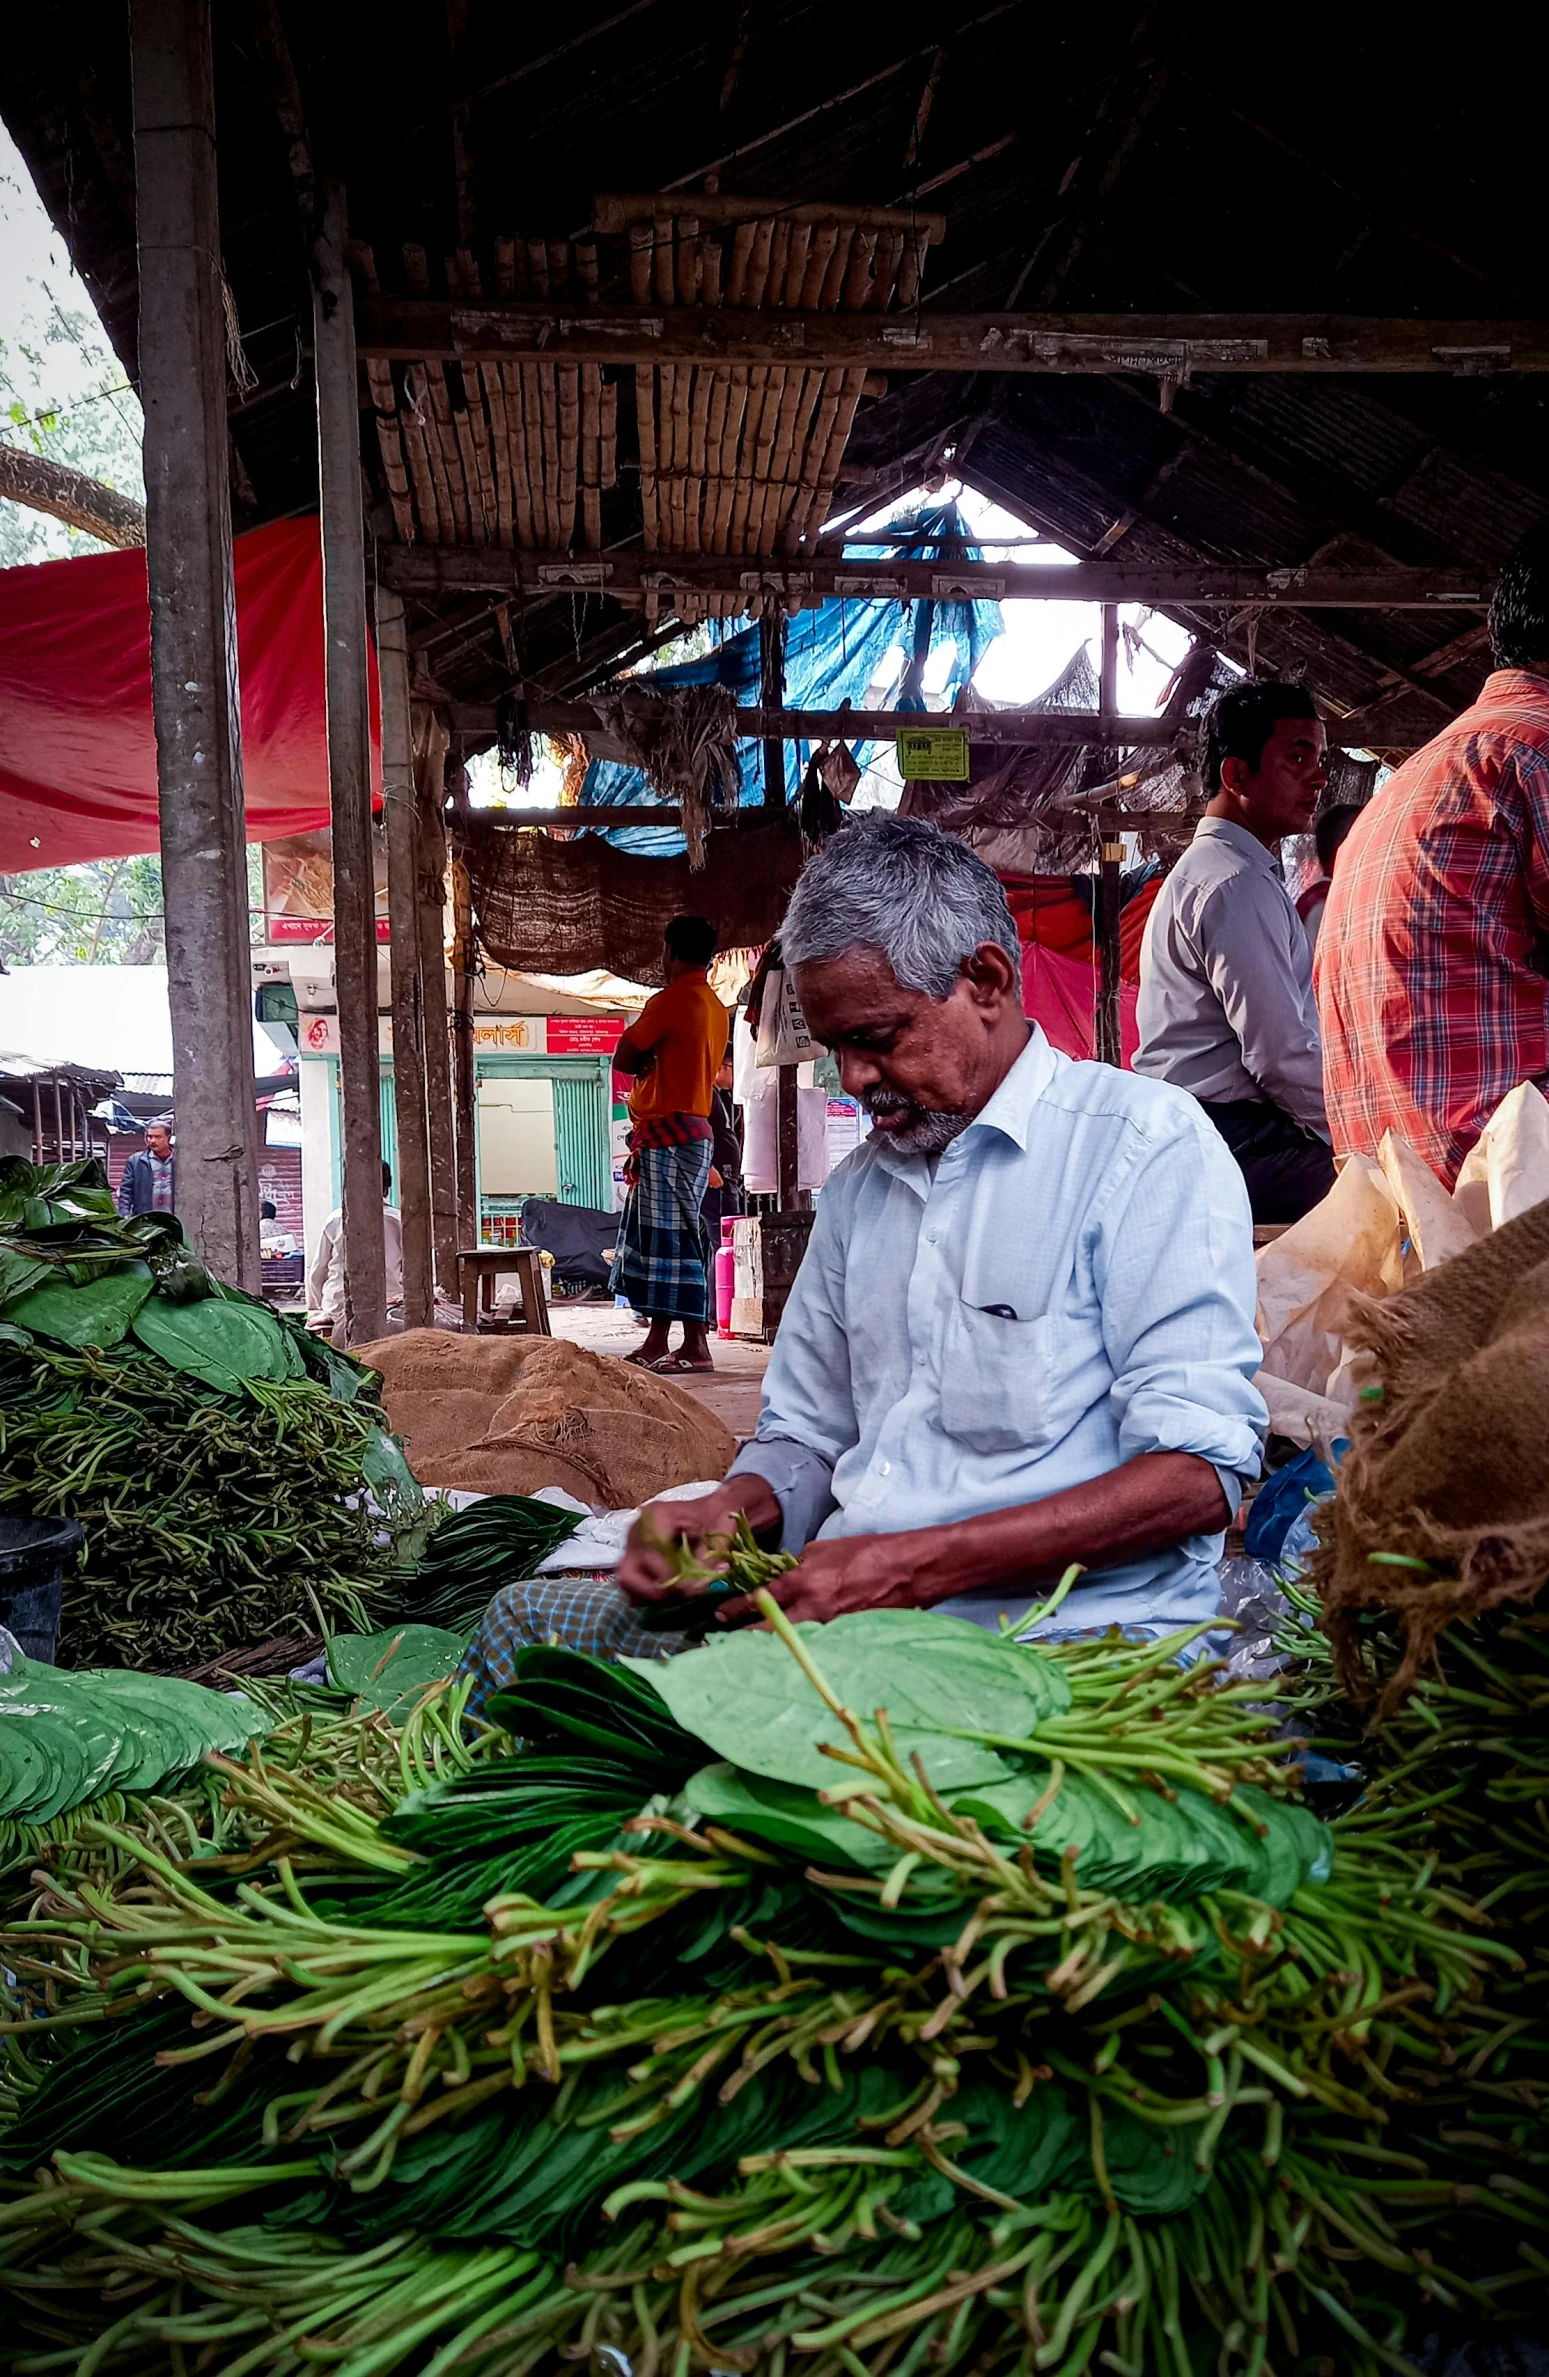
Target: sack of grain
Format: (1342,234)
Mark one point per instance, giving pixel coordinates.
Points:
(505,1417)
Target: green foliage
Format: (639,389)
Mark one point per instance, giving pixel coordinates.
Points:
(938,1678)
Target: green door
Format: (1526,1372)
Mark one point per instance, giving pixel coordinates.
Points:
(581,1149)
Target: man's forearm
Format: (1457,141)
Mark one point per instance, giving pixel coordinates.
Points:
(1154,1501)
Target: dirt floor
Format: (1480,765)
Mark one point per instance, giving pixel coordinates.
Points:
(732,1394)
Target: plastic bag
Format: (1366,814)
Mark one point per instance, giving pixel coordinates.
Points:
(783,1037)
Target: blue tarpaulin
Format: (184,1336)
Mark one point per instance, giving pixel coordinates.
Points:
(832,654)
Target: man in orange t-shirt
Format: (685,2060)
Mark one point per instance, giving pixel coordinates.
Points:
(674,1049)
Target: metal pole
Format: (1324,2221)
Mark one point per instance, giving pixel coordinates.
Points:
(402,805)
(193,632)
(349,774)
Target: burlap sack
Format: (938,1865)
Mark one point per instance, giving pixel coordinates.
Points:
(505,1416)
(1451,1466)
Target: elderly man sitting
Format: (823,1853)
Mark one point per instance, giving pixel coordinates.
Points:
(1022,1334)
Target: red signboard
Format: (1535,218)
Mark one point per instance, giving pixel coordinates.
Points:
(313,928)
(585,1035)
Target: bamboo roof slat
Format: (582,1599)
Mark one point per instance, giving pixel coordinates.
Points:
(569,448)
(609,465)
(548,414)
(511,378)
(733,458)
(645,397)
(426,506)
(500,453)
(741,257)
(379,378)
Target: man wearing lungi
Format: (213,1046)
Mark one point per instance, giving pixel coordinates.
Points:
(674,1049)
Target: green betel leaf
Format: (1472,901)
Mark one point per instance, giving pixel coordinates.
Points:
(20,1269)
(938,1678)
(382,1464)
(786,1817)
(100,1313)
(391,1670)
(224,1344)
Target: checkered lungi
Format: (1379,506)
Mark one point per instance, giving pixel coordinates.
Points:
(660,1264)
(585,1613)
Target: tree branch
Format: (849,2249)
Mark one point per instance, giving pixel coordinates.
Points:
(70,496)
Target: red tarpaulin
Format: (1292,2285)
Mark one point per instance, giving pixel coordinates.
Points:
(77,749)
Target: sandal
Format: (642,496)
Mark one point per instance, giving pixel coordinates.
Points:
(667,1363)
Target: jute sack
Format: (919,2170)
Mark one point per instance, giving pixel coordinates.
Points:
(497,1417)
(1450,1465)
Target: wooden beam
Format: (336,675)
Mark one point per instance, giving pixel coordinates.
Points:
(428,570)
(349,775)
(616,214)
(1001,728)
(194,697)
(401,803)
(1171,347)
(69,495)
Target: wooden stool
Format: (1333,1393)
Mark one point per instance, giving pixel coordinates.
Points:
(478,1267)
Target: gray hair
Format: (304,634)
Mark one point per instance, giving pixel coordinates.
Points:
(901,886)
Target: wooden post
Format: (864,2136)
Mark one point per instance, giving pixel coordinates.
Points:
(787,1126)
(464,1093)
(1109,1045)
(771,649)
(1111,851)
(401,802)
(1108,673)
(349,773)
(194,694)
(430,745)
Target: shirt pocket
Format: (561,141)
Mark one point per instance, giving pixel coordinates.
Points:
(995,1380)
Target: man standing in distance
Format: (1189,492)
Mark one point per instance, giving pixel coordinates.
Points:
(149,1184)
(1431,967)
(674,1050)
(1226,1009)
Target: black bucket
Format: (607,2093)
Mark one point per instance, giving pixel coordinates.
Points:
(34,1554)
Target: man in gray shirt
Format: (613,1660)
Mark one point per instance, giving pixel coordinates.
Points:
(1226,1009)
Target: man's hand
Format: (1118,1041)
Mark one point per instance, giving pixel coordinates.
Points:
(849,1572)
(644,1573)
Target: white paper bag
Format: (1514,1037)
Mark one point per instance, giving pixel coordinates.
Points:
(1507,1169)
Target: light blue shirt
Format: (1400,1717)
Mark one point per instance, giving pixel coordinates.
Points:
(1073,1286)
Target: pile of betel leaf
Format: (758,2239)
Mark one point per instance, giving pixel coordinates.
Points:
(217,1456)
(79,1745)
(880,1998)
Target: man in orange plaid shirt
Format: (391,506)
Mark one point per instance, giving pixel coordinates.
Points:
(1432,987)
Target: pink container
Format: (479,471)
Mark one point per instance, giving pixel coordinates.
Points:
(725,1279)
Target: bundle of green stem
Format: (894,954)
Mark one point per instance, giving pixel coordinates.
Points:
(1462,1767)
(726,1566)
(210,1521)
(1048,2038)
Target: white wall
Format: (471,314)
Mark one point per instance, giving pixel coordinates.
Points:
(317,1197)
(516,1139)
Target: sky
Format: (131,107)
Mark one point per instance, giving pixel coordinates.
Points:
(62,389)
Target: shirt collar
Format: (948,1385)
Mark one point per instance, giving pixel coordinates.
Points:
(1237,837)
(1009,1110)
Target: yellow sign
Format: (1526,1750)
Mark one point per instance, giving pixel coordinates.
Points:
(933,754)
(518,1035)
